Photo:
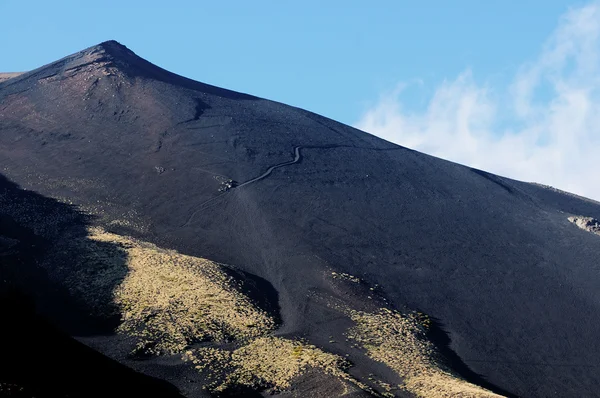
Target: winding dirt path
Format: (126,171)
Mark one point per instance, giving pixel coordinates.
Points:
(202,206)
(297,158)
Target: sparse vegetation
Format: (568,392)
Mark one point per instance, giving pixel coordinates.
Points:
(266,362)
(345,276)
(169,300)
(275,362)
(399,342)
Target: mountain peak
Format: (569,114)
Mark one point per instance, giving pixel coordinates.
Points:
(113,49)
(106,56)
(111,44)
(111,52)
(110,57)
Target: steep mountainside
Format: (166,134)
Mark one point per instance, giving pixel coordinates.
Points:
(230,244)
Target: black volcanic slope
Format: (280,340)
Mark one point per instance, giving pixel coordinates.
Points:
(308,214)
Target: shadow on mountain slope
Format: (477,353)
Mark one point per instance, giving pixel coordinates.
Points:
(41,361)
(38,359)
(35,231)
(441,339)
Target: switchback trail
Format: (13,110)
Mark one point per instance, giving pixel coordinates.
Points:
(297,158)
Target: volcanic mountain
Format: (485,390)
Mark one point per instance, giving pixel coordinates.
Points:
(178,238)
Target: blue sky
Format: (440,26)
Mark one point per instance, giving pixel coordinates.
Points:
(509,87)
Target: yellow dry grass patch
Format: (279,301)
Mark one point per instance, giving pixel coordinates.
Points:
(276,361)
(169,300)
(271,362)
(399,342)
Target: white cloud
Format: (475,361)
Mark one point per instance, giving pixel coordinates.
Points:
(553,140)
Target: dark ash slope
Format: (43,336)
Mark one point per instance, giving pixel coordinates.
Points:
(288,195)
